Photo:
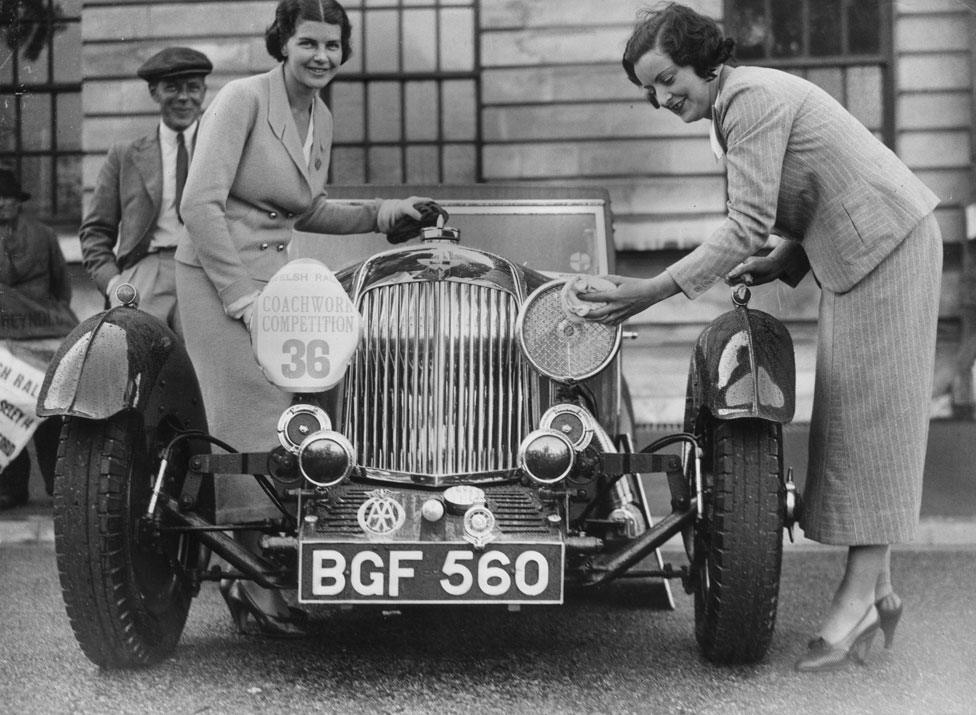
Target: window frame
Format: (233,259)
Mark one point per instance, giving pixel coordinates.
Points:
(884,59)
(366,78)
(50,88)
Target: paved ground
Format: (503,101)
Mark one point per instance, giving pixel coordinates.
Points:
(603,651)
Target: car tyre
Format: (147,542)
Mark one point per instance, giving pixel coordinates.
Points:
(738,542)
(127,599)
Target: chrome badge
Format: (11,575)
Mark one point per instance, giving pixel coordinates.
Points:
(479,526)
(381,513)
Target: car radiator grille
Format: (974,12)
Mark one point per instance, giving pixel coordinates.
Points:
(439,386)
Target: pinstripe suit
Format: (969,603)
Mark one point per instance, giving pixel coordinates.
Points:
(801,166)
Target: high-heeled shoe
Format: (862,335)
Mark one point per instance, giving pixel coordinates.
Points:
(273,625)
(889,612)
(852,648)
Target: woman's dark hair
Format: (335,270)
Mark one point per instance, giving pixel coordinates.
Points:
(290,13)
(688,38)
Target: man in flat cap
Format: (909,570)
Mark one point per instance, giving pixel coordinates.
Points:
(133,224)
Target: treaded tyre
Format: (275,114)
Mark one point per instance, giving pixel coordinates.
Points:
(739,542)
(127,599)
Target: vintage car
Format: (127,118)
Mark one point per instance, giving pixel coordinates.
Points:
(456,436)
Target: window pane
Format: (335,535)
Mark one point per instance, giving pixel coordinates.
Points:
(69,186)
(825,30)
(423,164)
(36,124)
(419,48)
(459,110)
(346,103)
(348,165)
(35,178)
(384,165)
(864,92)
(384,111)
(382,41)
(457,40)
(6,67)
(69,121)
(33,71)
(354,65)
(459,163)
(8,122)
(831,80)
(422,111)
(750,27)
(864,27)
(787,28)
(67,53)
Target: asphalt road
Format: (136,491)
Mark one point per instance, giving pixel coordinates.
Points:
(601,652)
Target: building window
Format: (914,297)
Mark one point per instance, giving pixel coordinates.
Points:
(40,102)
(842,45)
(407,103)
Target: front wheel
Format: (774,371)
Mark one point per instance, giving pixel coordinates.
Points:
(126,590)
(738,542)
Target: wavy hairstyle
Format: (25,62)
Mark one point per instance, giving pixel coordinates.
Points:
(290,13)
(688,38)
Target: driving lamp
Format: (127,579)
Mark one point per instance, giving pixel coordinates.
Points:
(572,421)
(298,422)
(325,458)
(546,455)
(561,347)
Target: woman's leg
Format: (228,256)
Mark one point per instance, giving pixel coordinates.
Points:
(866,566)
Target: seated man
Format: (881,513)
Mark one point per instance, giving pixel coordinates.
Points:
(35,296)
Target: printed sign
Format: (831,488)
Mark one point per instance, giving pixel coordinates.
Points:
(305,329)
(20,383)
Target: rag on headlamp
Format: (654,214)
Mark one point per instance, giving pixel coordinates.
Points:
(563,348)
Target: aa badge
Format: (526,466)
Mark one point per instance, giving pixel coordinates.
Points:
(381,514)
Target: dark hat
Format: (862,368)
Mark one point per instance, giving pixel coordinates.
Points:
(9,186)
(175,62)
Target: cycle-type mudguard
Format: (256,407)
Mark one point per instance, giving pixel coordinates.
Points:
(742,366)
(123,359)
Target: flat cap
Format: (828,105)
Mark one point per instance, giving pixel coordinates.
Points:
(175,62)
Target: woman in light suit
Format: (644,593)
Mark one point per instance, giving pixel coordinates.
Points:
(800,166)
(258,173)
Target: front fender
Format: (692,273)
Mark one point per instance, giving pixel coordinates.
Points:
(123,359)
(742,366)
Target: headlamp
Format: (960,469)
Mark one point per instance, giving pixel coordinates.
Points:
(562,348)
(546,455)
(325,458)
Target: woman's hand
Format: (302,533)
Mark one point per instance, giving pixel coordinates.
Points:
(630,297)
(391,210)
(758,270)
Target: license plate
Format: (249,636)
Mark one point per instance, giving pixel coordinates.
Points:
(431,572)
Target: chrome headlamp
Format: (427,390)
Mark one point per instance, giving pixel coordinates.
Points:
(325,458)
(546,455)
(561,348)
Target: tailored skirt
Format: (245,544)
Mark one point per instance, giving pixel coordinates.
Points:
(869,429)
(242,406)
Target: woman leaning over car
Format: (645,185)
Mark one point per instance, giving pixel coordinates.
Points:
(258,172)
(800,166)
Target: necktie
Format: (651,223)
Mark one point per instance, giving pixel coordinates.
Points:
(182,165)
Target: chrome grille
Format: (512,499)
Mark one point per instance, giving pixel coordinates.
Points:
(439,386)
